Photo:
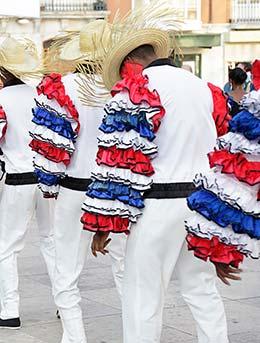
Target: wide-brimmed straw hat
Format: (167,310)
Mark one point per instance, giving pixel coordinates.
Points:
(88,43)
(149,25)
(158,39)
(19,57)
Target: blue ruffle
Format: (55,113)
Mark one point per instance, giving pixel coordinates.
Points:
(247,124)
(112,190)
(46,178)
(124,121)
(212,208)
(41,116)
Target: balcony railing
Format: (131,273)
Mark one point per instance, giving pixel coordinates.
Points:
(246,12)
(70,6)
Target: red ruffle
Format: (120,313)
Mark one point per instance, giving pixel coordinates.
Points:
(98,222)
(137,86)
(220,109)
(52,87)
(236,164)
(214,250)
(256,74)
(50,152)
(136,161)
(3,118)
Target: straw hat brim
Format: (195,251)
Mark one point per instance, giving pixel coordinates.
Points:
(157,38)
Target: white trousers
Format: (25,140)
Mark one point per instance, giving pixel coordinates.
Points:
(72,245)
(156,245)
(17,207)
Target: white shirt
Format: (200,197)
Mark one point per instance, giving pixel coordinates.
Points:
(187,132)
(83,160)
(17,102)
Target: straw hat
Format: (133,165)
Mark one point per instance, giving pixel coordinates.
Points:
(19,57)
(158,39)
(151,25)
(89,43)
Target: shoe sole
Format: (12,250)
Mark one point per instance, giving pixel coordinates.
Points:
(10,328)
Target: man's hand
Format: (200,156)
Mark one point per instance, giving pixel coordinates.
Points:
(225,272)
(100,242)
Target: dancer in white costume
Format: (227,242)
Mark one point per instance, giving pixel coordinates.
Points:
(148,90)
(20,197)
(71,243)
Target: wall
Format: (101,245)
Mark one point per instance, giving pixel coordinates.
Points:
(215,11)
(124,7)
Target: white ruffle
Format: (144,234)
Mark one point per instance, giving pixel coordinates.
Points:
(125,176)
(111,207)
(125,140)
(43,134)
(236,142)
(227,188)
(251,102)
(48,166)
(201,227)
(121,101)
(51,190)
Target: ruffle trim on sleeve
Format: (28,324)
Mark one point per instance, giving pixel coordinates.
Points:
(251,102)
(123,119)
(236,164)
(43,134)
(115,191)
(132,118)
(123,176)
(93,222)
(201,227)
(212,208)
(111,207)
(52,87)
(220,109)
(50,152)
(126,140)
(3,123)
(237,194)
(214,250)
(57,127)
(237,143)
(247,124)
(136,161)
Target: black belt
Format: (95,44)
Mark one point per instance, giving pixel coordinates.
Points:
(170,190)
(18,179)
(75,184)
(157,191)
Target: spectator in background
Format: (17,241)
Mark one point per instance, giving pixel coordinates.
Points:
(248,86)
(237,79)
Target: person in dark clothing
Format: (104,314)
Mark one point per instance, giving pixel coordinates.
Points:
(237,78)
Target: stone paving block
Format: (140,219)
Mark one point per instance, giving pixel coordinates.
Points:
(9,336)
(98,278)
(247,288)
(107,296)
(170,335)
(29,266)
(29,288)
(45,332)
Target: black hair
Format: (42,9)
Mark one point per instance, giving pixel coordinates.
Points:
(237,75)
(9,79)
(142,52)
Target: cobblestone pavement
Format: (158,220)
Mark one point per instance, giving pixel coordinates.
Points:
(101,305)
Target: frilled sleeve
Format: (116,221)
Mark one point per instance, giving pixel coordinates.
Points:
(226,226)
(56,127)
(124,159)
(220,112)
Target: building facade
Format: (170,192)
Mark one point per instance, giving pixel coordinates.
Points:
(215,33)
